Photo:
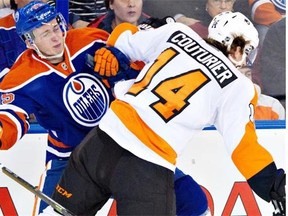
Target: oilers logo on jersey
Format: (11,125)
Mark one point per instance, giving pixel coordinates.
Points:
(86,98)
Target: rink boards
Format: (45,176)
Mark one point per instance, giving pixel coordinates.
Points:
(205,159)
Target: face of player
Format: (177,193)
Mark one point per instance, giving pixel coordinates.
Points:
(215,7)
(126,11)
(49,39)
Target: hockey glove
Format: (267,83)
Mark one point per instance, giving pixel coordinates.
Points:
(278,194)
(125,71)
(108,61)
(153,22)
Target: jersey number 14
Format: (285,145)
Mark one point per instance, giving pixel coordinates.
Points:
(173,92)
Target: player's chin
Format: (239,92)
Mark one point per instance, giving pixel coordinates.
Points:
(57,51)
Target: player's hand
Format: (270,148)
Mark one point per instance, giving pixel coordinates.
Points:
(106,64)
(278,193)
(109,61)
(124,71)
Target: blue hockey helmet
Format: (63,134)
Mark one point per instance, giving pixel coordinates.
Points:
(34,15)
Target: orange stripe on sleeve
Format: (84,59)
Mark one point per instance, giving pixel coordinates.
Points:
(134,123)
(249,156)
(265,113)
(119,30)
(57,143)
(10,131)
(7,21)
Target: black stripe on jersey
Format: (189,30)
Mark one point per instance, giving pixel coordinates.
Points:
(218,69)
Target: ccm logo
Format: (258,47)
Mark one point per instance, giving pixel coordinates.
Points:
(63,192)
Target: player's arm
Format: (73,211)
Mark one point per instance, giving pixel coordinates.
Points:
(11,130)
(139,42)
(253,161)
(258,167)
(110,60)
(269,184)
(13,122)
(127,42)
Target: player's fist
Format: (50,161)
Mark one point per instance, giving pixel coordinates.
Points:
(106,64)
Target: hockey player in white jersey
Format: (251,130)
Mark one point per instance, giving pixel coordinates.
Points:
(52,80)
(188,83)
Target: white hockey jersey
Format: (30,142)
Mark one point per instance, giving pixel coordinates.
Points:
(185,86)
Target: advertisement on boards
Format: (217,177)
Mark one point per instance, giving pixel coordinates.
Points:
(205,159)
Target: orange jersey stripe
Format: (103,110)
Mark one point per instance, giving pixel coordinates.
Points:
(134,123)
(84,36)
(57,143)
(7,21)
(10,131)
(119,30)
(244,155)
(13,79)
(265,113)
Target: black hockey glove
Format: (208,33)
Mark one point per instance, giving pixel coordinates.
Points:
(153,22)
(278,194)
